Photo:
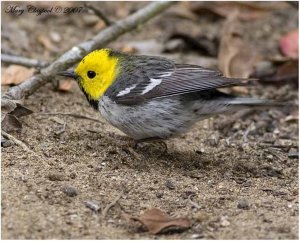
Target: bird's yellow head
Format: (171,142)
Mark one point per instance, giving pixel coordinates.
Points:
(96,72)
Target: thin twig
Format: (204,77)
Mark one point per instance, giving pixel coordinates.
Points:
(72,115)
(72,56)
(113,203)
(19,60)
(18,142)
(99,13)
(24,146)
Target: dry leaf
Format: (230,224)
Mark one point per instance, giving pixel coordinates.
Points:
(15,74)
(20,111)
(288,71)
(285,71)
(236,57)
(99,26)
(10,112)
(46,42)
(65,85)
(156,221)
(10,123)
(289,44)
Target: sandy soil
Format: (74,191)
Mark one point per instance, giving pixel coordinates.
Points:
(244,186)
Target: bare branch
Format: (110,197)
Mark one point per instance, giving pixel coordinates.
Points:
(78,52)
(99,13)
(19,60)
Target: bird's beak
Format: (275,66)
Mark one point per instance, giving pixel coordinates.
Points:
(68,73)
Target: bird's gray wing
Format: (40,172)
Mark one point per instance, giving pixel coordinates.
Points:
(177,79)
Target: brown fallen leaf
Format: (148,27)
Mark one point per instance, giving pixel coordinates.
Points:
(99,26)
(10,112)
(15,74)
(288,71)
(10,123)
(157,221)
(281,72)
(20,111)
(65,85)
(46,42)
(236,58)
(289,44)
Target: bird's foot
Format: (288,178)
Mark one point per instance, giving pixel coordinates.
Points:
(151,144)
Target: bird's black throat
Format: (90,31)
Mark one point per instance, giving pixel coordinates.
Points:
(93,103)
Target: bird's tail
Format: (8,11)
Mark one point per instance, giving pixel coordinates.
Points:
(255,103)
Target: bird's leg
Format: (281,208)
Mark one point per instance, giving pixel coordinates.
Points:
(152,141)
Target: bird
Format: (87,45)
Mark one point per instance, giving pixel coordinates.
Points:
(154,98)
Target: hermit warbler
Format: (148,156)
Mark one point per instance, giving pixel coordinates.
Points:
(150,97)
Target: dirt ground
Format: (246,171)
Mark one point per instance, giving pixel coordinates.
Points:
(239,183)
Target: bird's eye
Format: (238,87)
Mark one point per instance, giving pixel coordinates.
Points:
(91,74)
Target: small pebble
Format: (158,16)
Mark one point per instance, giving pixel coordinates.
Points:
(73,175)
(243,204)
(214,139)
(197,236)
(69,191)
(55,37)
(224,222)
(159,194)
(169,185)
(269,138)
(174,45)
(5,142)
(92,205)
(293,154)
